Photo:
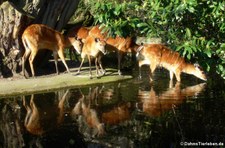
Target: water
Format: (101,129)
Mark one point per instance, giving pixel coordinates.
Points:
(134,113)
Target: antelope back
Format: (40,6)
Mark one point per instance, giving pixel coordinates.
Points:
(41,36)
(79,32)
(170,57)
(97,33)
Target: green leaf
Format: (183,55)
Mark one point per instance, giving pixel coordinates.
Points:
(191,9)
(189,56)
(208,52)
(188,33)
(142,25)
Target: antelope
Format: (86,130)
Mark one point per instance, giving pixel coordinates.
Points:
(93,47)
(157,55)
(119,44)
(81,33)
(38,36)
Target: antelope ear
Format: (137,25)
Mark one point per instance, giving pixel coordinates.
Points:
(196,65)
(97,39)
(140,48)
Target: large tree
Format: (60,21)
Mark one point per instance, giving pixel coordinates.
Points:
(16,15)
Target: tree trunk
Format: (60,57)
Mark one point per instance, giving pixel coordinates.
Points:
(16,15)
(11,25)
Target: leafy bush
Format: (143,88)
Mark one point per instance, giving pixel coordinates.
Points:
(195,28)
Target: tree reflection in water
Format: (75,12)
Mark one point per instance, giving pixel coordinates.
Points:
(43,117)
(77,117)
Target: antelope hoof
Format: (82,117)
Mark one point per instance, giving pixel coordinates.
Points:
(25,76)
(77,73)
(90,75)
(103,72)
(119,73)
(139,77)
(98,77)
(150,80)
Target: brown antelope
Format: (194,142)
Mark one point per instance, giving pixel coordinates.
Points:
(119,44)
(38,36)
(157,55)
(93,47)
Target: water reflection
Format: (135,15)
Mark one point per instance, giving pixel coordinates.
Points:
(117,114)
(11,134)
(74,117)
(39,120)
(88,115)
(98,108)
(156,104)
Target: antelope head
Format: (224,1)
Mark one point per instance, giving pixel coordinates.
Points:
(100,45)
(199,72)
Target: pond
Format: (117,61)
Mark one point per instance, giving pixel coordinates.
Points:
(132,113)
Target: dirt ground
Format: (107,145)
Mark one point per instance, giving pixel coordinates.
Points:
(18,85)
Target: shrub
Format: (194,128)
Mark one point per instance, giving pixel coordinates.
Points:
(195,28)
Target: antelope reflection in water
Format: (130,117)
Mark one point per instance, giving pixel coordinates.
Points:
(117,114)
(93,113)
(40,118)
(154,105)
(89,115)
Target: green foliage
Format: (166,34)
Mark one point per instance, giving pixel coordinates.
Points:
(195,28)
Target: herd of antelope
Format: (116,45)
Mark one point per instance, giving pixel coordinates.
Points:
(92,43)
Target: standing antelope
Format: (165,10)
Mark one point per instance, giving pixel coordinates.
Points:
(157,55)
(119,44)
(93,47)
(38,36)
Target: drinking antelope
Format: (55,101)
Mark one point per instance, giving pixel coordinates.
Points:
(157,55)
(81,33)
